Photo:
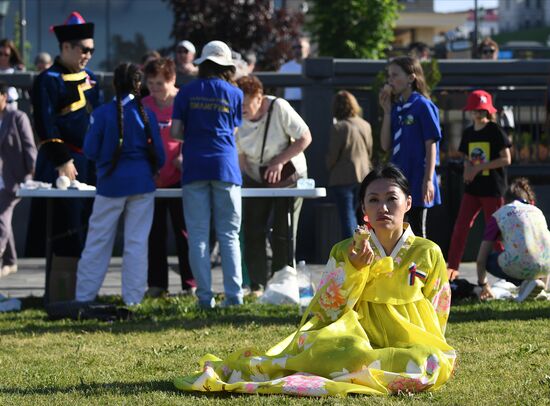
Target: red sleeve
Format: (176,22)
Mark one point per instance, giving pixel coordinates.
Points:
(492,231)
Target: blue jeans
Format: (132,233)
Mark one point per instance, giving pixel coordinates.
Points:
(494,269)
(346,198)
(222,200)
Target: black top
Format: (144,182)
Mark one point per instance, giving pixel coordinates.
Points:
(480,147)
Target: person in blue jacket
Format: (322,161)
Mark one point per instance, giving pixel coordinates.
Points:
(63,97)
(206,115)
(124,141)
(411,133)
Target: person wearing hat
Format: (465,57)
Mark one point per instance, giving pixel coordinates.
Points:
(63,97)
(486,150)
(206,115)
(186,71)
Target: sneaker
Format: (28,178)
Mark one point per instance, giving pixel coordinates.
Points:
(543,295)
(188,291)
(529,289)
(8,269)
(155,292)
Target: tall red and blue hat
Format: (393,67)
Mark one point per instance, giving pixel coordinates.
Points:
(73,29)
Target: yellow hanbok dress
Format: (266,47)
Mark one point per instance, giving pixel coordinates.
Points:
(377,330)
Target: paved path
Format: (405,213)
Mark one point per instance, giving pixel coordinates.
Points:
(29,280)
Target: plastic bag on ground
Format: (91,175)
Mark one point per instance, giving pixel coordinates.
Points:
(282,288)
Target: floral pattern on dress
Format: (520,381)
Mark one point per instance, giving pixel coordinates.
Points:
(408,385)
(432,364)
(331,296)
(332,273)
(442,300)
(304,384)
(250,387)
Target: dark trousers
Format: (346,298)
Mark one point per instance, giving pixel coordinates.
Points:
(157,275)
(256,215)
(70,216)
(8,254)
(417,217)
(494,269)
(345,197)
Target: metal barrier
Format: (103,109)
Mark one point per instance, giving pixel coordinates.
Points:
(519,84)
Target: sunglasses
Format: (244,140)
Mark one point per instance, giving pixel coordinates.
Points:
(4,54)
(85,50)
(182,51)
(488,51)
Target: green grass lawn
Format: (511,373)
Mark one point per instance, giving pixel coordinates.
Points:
(504,355)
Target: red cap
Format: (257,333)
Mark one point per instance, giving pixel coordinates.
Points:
(480,100)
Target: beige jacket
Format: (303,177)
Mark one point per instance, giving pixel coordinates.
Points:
(350,151)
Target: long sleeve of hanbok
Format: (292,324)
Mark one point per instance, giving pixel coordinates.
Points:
(437,289)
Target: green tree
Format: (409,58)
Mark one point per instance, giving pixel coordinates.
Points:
(353,28)
(244,25)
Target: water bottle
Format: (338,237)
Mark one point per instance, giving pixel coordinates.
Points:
(306,183)
(305,285)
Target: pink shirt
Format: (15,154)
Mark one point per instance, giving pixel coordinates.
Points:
(169,174)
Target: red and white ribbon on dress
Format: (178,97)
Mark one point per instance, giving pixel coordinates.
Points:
(415,272)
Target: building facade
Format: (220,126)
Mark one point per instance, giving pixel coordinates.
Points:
(519,14)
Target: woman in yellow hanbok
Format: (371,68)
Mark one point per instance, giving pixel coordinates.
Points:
(378,322)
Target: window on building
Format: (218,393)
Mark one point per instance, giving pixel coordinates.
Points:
(527,3)
(507,5)
(539,4)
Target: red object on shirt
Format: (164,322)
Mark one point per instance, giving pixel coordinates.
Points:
(169,174)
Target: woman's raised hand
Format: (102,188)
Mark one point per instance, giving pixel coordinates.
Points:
(384,98)
(360,257)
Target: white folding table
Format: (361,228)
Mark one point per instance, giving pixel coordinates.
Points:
(51,194)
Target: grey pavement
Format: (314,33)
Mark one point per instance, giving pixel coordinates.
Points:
(30,278)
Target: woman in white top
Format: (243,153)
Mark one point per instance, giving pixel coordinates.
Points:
(286,138)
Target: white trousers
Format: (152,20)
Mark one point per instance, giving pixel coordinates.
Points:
(94,261)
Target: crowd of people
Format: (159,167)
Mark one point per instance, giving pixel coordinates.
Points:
(255,140)
(205,124)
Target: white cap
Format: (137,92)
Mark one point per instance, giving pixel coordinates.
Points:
(187,45)
(217,52)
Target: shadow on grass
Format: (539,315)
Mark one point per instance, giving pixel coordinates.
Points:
(152,315)
(118,389)
(475,311)
(181,313)
(87,389)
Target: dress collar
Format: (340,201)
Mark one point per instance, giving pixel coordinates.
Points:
(402,105)
(126,99)
(407,233)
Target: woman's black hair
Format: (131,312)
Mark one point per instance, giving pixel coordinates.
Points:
(127,80)
(209,69)
(388,171)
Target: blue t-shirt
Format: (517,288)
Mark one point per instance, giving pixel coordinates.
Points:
(210,110)
(132,174)
(412,124)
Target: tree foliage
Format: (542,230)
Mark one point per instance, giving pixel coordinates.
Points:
(245,25)
(353,28)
